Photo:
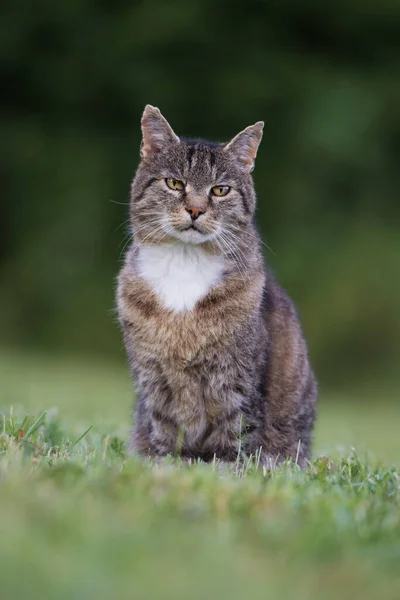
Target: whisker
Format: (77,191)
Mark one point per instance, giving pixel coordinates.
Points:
(234,237)
(156,231)
(127,235)
(120,203)
(146,225)
(152,213)
(121,225)
(156,234)
(232,251)
(170,230)
(229,238)
(239,252)
(256,237)
(129,239)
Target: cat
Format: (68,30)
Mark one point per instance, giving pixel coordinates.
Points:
(214,344)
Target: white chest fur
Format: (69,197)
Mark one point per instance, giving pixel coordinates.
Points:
(180,274)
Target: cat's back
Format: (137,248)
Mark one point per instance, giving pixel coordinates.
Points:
(291,385)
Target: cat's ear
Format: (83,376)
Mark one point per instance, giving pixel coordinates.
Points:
(157,132)
(245,144)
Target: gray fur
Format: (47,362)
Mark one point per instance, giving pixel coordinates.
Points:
(236,365)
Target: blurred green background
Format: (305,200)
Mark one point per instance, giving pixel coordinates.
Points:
(325,78)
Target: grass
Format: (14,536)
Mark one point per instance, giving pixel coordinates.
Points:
(80,519)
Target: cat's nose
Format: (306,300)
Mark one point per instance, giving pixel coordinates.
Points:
(195,212)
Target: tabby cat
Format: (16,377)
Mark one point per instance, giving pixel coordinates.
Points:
(214,344)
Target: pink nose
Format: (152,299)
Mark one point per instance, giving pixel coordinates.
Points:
(195,212)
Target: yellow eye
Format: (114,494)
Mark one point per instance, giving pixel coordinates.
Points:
(174,184)
(221,190)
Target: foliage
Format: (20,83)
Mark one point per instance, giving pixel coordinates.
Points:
(85,521)
(82,519)
(324,77)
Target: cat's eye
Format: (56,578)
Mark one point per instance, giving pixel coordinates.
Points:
(175,184)
(221,190)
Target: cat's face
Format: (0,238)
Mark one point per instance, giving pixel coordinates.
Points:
(192,191)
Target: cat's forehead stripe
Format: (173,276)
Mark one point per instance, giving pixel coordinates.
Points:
(201,162)
(190,155)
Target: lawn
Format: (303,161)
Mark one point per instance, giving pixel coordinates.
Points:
(79,519)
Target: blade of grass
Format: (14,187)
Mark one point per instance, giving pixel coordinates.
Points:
(81,436)
(24,424)
(35,425)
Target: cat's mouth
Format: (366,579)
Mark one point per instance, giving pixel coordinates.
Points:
(193,227)
(192,234)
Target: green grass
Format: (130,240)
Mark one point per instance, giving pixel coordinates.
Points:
(80,519)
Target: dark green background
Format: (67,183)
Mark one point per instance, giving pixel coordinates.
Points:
(325,78)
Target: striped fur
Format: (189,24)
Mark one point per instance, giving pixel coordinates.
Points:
(216,357)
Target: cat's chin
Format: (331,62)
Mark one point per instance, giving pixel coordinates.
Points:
(192,236)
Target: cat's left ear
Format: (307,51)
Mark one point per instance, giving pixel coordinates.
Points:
(157,132)
(245,144)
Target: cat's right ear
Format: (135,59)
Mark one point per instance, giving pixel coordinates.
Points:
(157,132)
(245,145)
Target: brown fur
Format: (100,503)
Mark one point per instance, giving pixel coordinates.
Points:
(235,366)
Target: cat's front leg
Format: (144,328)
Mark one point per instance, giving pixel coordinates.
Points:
(155,431)
(223,440)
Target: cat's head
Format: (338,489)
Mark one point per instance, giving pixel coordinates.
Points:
(192,190)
